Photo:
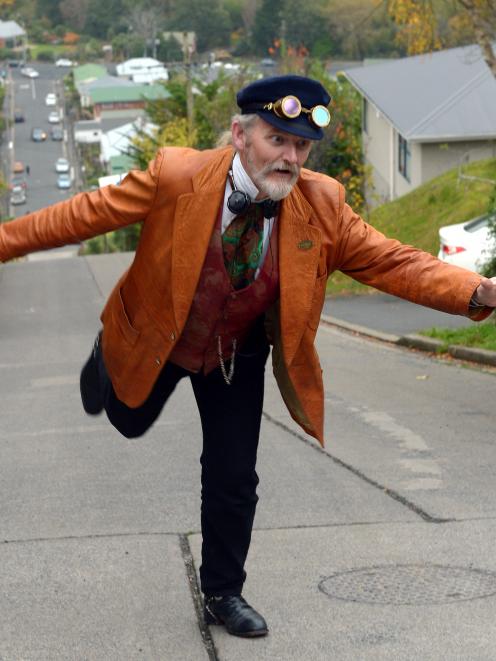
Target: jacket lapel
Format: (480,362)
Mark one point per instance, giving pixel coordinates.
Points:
(194,221)
(299,250)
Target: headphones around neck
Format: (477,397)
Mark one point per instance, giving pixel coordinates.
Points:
(239,201)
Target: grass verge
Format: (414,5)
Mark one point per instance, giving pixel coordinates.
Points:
(481,336)
(415,218)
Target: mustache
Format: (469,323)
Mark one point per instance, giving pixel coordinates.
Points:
(281,165)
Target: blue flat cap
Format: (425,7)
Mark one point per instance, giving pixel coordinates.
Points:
(265,98)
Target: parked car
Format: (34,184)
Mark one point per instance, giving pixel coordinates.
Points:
(38,135)
(64,180)
(18,167)
(18,116)
(54,117)
(29,72)
(56,133)
(18,195)
(18,179)
(467,244)
(64,62)
(62,165)
(51,99)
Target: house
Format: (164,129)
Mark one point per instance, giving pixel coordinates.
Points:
(104,82)
(87,73)
(124,101)
(87,131)
(92,130)
(111,180)
(12,35)
(424,115)
(115,145)
(142,70)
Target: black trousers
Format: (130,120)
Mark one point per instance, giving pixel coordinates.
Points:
(230,418)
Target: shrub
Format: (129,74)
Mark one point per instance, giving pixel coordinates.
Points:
(489,269)
(45,55)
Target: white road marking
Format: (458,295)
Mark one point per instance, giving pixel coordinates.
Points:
(416,473)
(409,440)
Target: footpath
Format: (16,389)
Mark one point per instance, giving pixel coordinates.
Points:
(378,547)
(396,321)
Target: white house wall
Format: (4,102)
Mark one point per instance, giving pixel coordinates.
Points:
(377,145)
(88,135)
(440,157)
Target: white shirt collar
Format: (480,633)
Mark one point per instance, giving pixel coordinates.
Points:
(242,179)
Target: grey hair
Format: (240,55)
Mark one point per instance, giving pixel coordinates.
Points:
(247,122)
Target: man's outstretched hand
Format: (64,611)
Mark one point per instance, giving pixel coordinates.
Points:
(486,292)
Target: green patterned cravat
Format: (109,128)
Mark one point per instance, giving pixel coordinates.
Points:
(242,246)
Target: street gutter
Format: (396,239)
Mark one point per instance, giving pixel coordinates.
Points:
(414,341)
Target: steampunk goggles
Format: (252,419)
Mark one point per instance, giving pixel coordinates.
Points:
(289,107)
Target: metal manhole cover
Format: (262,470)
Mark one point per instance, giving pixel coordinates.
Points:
(410,584)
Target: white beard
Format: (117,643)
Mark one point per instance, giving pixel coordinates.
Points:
(276,190)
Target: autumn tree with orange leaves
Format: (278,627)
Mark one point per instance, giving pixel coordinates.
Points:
(418,24)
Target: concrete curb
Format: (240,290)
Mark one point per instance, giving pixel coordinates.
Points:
(421,342)
(361,330)
(414,341)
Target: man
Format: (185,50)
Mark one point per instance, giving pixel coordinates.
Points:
(236,248)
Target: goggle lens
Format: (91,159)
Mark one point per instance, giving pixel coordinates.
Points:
(321,116)
(289,107)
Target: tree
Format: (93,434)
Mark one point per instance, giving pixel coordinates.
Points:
(209,20)
(267,26)
(339,153)
(248,14)
(144,22)
(49,9)
(359,28)
(102,17)
(418,23)
(303,24)
(74,13)
(490,266)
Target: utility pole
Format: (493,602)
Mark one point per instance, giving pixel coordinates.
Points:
(187,50)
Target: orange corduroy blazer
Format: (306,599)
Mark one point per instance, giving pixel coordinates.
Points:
(177,199)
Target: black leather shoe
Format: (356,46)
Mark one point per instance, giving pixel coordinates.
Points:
(239,618)
(89,382)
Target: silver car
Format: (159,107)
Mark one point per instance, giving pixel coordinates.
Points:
(64,181)
(17,195)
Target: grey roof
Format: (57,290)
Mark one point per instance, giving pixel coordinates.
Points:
(104,124)
(10,30)
(107,81)
(445,95)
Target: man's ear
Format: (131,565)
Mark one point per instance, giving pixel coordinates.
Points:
(238,136)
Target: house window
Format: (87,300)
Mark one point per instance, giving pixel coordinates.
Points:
(404,157)
(365,108)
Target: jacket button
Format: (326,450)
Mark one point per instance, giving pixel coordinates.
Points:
(172,336)
(158,361)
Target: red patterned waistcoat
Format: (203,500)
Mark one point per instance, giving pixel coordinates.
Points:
(218,310)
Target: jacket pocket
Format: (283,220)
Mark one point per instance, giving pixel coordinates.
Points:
(129,333)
